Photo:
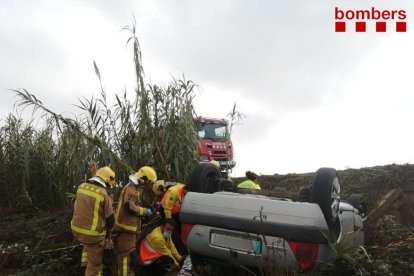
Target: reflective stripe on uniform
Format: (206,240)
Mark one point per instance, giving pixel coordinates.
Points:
(147,253)
(126,227)
(87,231)
(125,266)
(129,228)
(93,192)
(95,214)
(84,258)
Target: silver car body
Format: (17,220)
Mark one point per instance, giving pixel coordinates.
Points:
(253,229)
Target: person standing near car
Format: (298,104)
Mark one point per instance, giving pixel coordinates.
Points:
(93,218)
(128,218)
(252,181)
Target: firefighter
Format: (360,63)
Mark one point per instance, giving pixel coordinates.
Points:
(171,207)
(128,217)
(157,251)
(93,218)
(252,181)
(173,198)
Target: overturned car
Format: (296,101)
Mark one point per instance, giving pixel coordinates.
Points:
(251,230)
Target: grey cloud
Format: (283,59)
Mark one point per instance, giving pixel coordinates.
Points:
(284,51)
(284,54)
(30,59)
(253,127)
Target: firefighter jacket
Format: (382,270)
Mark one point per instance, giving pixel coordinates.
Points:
(172,200)
(129,211)
(155,245)
(92,210)
(248,184)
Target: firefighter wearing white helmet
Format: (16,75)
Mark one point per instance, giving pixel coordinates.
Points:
(128,218)
(93,218)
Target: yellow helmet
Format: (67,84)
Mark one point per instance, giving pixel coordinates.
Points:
(107,174)
(215,163)
(146,173)
(158,188)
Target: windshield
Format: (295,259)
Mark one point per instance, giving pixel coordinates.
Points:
(213,131)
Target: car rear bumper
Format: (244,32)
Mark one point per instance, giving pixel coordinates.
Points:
(275,252)
(200,242)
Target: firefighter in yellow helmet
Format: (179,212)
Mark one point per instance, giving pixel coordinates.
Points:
(171,207)
(159,188)
(93,218)
(128,218)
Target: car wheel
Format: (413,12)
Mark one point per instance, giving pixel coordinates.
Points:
(205,178)
(357,201)
(326,193)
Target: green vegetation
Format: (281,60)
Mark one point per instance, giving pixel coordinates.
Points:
(150,126)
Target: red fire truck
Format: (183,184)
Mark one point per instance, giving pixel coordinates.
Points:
(214,141)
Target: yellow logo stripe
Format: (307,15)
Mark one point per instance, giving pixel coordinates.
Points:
(125,266)
(95,214)
(92,194)
(99,198)
(84,257)
(126,227)
(87,231)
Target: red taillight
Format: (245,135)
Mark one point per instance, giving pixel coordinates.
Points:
(185,232)
(306,254)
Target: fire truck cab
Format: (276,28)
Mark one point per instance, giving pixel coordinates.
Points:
(214,141)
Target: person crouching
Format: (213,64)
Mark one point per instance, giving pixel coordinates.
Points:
(157,251)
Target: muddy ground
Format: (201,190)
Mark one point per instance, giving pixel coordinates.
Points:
(39,242)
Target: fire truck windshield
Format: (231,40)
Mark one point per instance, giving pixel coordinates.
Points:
(212,131)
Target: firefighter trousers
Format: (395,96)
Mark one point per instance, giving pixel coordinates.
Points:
(127,258)
(94,254)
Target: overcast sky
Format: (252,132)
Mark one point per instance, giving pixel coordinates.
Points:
(312,97)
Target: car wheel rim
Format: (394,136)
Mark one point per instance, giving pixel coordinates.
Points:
(335,198)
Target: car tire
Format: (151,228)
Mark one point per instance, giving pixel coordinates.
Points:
(205,178)
(326,193)
(357,201)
